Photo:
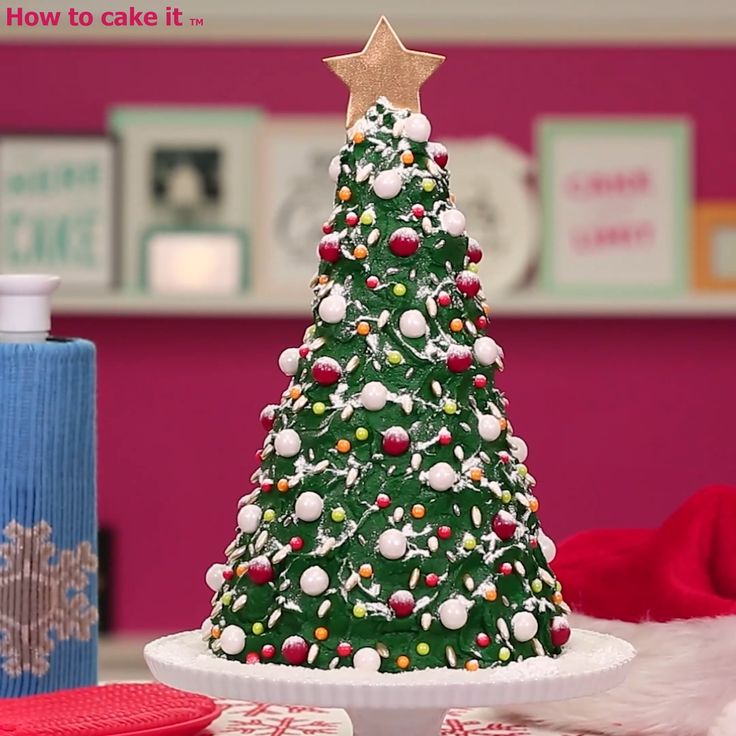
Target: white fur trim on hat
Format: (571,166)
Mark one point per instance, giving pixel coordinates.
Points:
(682,682)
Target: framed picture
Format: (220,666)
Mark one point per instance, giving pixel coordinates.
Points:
(615,203)
(492,181)
(714,246)
(298,198)
(57,212)
(190,179)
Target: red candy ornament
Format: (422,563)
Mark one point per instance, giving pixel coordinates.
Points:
(417,210)
(351,219)
(504,525)
(459,358)
(268,416)
(260,570)
(482,639)
(506,568)
(468,284)
(252,658)
(402,603)
(481,323)
(329,248)
(294,650)
(268,651)
(396,441)
(296,543)
(326,371)
(432,579)
(439,154)
(474,252)
(444,532)
(480,381)
(559,631)
(327,228)
(303,351)
(444,437)
(443,299)
(344,649)
(372,282)
(383,501)
(403,242)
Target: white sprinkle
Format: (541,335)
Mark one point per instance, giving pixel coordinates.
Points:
(433,544)
(261,541)
(451,657)
(519,568)
(538,648)
(352,581)
(239,603)
(416,461)
(476,516)
(407,404)
(281,554)
(469,583)
(426,621)
(317,344)
(431,305)
(324,607)
(470,327)
(398,513)
(414,578)
(427,225)
(333,663)
(313,652)
(382,650)
(363,172)
(522,499)
(373,236)
(326,546)
(352,477)
(436,388)
(353,363)
(300,403)
(484,457)
(347,412)
(273,618)
(503,628)
(459,453)
(383,319)
(321,465)
(236,553)
(216,610)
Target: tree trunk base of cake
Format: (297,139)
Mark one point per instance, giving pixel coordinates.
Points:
(399,722)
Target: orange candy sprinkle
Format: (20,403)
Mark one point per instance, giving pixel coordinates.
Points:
(557,598)
(216,632)
(321,633)
(490,594)
(456,325)
(486,309)
(534,504)
(452,198)
(418,511)
(283,485)
(363,328)
(402,662)
(358,136)
(360,252)
(343,445)
(407,158)
(324,278)
(344,194)
(472,665)
(241,569)
(476,474)
(365,571)
(295,392)
(502,423)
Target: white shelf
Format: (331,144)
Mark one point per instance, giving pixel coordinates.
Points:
(530,303)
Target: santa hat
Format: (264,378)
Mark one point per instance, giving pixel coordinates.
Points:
(671,592)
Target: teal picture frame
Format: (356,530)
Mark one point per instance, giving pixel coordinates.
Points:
(677,132)
(234,132)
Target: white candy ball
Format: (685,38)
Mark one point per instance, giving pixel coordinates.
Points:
(486,350)
(417,127)
(314,581)
(206,628)
(334,169)
(367,659)
(332,308)
(232,639)
(453,221)
(489,427)
(287,443)
(213,576)
(289,361)
(548,547)
(441,476)
(392,544)
(387,184)
(524,626)
(412,323)
(453,614)
(309,506)
(249,517)
(518,448)
(374,396)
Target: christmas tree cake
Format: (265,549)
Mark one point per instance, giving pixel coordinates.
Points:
(393,523)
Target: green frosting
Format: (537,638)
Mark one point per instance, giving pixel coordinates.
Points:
(420,388)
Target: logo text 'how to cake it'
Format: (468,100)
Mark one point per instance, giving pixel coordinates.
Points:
(130,17)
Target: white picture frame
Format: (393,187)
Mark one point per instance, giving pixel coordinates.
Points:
(298,197)
(57,208)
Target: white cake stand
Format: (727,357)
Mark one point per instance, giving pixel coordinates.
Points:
(405,704)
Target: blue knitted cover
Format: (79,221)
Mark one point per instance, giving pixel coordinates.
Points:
(48,524)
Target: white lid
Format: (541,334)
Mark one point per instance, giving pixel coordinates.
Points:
(25,306)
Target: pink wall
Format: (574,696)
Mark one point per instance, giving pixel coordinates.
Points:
(625,418)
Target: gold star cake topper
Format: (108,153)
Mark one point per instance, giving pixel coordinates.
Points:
(384,68)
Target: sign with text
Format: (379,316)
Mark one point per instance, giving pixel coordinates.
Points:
(616,196)
(56,207)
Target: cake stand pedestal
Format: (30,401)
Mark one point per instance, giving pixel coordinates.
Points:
(406,704)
